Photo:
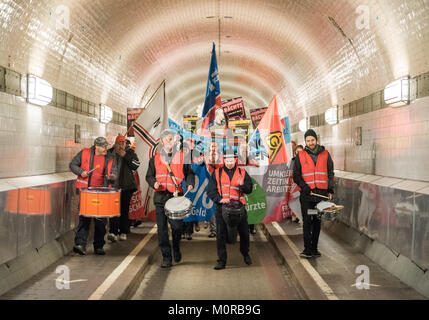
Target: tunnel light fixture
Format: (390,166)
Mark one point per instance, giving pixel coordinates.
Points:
(106,114)
(39,91)
(397,93)
(302,125)
(331,115)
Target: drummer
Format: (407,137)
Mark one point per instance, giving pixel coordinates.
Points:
(314,173)
(165,184)
(235,183)
(81,165)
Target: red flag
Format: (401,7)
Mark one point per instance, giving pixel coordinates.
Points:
(271,132)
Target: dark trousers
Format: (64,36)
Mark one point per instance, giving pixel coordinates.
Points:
(311,226)
(222,232)
(163,240)
(82,232)
(81,237)
(188,227)
(121,224)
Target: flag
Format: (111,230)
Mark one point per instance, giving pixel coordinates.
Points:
(271,132)
(147,129)
(212,100)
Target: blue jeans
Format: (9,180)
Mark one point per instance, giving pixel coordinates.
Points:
(176,230)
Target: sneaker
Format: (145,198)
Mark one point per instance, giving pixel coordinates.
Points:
(248,260)
(197,228)
(166,263)
(316,253)
(212,235)
(99,251)
(305,254)
(220,265)
(79,249)
(206,225)
(253,231)
(189,237)
(112,237)
(123,236)
(137,223)
(177,255)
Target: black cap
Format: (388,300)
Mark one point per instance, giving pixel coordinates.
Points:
(310,132)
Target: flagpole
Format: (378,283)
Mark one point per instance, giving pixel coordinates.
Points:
(149,101)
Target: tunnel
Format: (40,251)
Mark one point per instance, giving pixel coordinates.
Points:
(354,72)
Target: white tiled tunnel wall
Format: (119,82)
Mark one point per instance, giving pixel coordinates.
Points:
(38,140)
(395,142)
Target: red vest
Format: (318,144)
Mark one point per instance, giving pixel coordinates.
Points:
(316,176)
(82,182)
(230,189)
(163,176)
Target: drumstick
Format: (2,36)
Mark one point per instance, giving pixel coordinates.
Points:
(319,195)
(187,192)
(96,167)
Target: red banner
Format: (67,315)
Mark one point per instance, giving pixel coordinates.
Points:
(234,109)
(256,116)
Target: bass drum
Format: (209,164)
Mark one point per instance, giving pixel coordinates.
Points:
(178,208)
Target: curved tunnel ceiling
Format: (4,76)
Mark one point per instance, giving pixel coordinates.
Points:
(311,53)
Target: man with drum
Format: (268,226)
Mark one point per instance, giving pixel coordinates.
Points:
(313,172)
(91,167)
(165,174)
(227,186)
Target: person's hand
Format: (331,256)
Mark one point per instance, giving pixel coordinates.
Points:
(240,181)
(84,174)
(190,187)
(330,195)
(224,201)
(111,176)
(156,185)
(122,152)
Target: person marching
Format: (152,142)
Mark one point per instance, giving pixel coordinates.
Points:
(313,173)
(227,187)
(92,167)
(165,174)
(125,161)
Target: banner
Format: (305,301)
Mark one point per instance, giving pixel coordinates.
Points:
(136,210)
(234,109)
(202,206)
(190,123)
(147,129)
(212,102)
(256,116)
(132,114)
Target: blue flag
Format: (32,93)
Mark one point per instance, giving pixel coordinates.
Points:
(212,100)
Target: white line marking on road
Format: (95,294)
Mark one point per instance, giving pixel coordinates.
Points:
(71,281)
(101,290)
(306,264)
(369,284)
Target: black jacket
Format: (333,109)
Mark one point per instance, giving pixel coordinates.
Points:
(213,192)
(161,197)
(123,168)
(305,189)
(77,162)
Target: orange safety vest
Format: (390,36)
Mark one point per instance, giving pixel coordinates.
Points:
(162,175)
(316,176)
(230,189)
(82,182)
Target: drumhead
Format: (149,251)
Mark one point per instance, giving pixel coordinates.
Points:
(322,205)
(178,204)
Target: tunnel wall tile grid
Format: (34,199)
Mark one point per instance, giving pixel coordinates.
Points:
(397,218)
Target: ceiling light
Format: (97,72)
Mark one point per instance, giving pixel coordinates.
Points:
(302,125)
(106,114)
(397,93)
(39,91)
(331,115)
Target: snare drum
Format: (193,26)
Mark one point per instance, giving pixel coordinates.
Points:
(100,202)
(328,210)
(178,208)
